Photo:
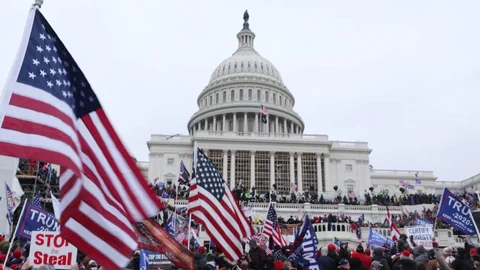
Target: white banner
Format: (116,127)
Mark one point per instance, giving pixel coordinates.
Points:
(422,235)
(51,248)
(8,170)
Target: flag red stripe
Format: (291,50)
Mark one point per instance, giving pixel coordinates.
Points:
(100,170)
(121,148)
(218,226)
(85,245)
(41,107)
(16,150)
(38,129)
(105,151)
(106,235)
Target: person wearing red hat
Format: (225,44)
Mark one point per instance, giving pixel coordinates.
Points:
(332,253)
(200,260)
(15,259)
(405,261)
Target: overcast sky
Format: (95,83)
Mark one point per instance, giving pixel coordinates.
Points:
(402,76)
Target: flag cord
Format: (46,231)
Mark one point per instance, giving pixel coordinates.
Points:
(12,237)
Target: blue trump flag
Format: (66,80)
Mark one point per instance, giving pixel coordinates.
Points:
(423,222)
(378,240)
(144,259)
(454,212)
(35,219)
(305,247)
(171,224)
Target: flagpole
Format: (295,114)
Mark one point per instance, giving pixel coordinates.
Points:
(12,237)
(195,150)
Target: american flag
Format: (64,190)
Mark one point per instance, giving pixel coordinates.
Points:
(393,228)
(36,201)
(272,228)
(51,113)
(11,204)
(212,204)
(264,112)
(184,176)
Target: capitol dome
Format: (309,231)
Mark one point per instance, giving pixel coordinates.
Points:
(241,85)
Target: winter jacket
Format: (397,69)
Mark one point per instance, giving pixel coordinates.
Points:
(420,254)
(356,264)
(405,264)
(402,245)
(258,258)
(327,262)
(366,260)
(377,256)
(199,260)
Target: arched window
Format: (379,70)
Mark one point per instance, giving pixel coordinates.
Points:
(217,98)
(274,99)
(211,100)
(235,65)
(249,94)
(249,64)
(241,65)
(232,95)
(241,94)
(280,98)
(224,99)
(266,96)
(259,96)
(285,103)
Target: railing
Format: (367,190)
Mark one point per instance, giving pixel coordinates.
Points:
(402,173)
(312,137)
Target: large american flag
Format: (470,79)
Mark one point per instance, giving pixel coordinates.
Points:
(49,112)
(272,228)
(212,204)
(393,228)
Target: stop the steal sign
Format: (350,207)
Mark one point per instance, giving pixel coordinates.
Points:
(50,248)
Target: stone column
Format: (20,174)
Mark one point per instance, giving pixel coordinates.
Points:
(255,124)
(299,172)
(326,163)
(292,168)
(276,130)
(272,169)
(245,122)
(252,169)
(319,173)
(292,129)
(285,129)
(235,122)
(225,165)
(298,129)
(232,170)
(214,123)
(206,124)
(224,122)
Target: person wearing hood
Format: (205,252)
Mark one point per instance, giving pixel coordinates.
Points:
(405,261)
(378,256)
(256,256)
(402,243)
(200,259)
(326,261)
(366,260)
(420,254)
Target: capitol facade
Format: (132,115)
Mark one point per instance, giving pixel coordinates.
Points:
(228,127)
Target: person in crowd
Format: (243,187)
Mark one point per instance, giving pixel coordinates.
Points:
(366,260)
(433,265)
(327,262)
(379,256)
(220,259)
(210,265)
(343,264)
(402,243)
(448,255)
(355,263)
(405,261)
(420,254)
(15,259)
(200,259)
(462,260)
(256,256)
(332,253)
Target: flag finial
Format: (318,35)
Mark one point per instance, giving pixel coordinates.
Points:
(38,3)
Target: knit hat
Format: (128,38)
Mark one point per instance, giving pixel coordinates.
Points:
(331,247)
(360,248)
(473,252)
(201,250)
(17,253)
(185,241)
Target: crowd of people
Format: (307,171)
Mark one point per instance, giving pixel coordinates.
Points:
(401,256)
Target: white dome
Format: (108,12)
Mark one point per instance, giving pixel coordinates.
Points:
(246,61)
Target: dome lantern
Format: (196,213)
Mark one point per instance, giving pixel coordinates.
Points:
(246,36)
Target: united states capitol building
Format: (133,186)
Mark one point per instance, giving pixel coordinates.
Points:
(228,127)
